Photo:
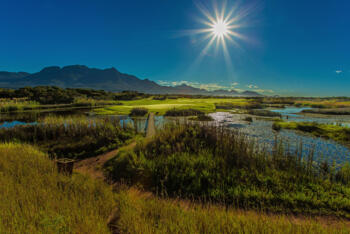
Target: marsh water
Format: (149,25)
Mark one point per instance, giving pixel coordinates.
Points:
(260,129)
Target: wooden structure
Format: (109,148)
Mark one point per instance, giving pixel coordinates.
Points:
(65,166)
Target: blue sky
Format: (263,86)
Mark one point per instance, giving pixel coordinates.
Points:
(291,47)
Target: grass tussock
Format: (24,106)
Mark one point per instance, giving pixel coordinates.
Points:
(139,212)
(34,198)
(209,163)
(334,132)
(72,136)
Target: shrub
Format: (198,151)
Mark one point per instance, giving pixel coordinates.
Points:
(248,119)
(138,112)
(343,175)
(276,126)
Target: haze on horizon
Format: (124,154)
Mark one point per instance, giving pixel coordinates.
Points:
(279,47)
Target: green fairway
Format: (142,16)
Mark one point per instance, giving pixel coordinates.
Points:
(206,105)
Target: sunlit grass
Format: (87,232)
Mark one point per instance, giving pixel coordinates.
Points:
(17,104)
(206,105)
(34,198)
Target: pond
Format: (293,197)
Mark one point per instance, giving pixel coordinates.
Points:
(14,124)
(260,130)
(295,114)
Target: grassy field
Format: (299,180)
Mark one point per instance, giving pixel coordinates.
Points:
(34,198)
(334,132)
(160,107)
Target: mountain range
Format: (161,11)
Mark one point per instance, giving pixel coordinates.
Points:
(80,76)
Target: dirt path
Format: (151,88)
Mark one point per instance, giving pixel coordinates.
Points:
(93,166)
(150,129)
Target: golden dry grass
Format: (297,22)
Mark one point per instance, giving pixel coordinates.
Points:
(34,198)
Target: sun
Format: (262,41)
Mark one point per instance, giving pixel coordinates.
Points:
(220,28)
(222,25)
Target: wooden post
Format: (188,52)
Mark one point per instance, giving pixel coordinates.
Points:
(65,166)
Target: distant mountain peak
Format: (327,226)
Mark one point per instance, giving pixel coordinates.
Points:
(81,76)
(50,69)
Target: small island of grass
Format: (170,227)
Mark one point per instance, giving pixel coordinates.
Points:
(334,132)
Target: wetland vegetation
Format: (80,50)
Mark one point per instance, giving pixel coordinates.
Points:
(222,170)
(209,163)
(74,137)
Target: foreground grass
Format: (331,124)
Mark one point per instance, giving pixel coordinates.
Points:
(160,107)
(210,163)
(334,132)
(140,212)
(34,198)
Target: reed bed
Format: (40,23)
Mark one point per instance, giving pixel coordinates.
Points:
(71,136)
(210,163)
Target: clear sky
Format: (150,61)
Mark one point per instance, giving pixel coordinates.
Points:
(289,47)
